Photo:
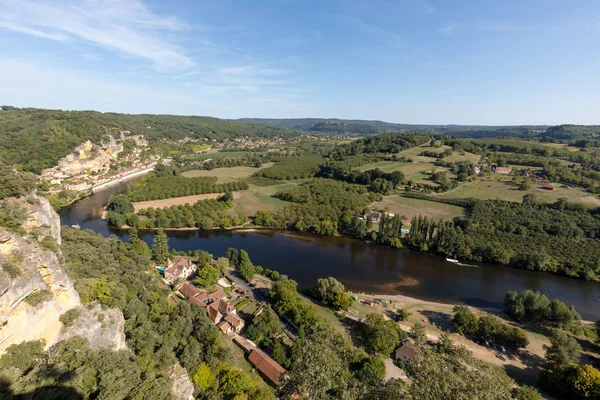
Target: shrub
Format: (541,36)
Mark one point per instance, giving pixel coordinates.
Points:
(70,316)
(38,297)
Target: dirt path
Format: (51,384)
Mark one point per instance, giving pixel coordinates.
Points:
(523,365)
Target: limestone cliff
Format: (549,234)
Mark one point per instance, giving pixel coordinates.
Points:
(35,291)
(182,388)
(102,328)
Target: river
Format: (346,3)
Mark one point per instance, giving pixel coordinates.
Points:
(361,266)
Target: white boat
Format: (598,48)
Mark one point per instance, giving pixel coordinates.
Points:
(451,260)
(75,226)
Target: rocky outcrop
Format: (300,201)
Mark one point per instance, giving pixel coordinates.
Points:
(103,328)
(35,291)
(183,388)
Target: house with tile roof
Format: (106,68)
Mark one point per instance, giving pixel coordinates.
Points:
(181,268)
(268,368)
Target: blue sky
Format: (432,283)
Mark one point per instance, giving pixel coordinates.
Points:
(407,61)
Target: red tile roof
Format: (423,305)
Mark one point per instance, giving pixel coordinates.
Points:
(234,320)
(217,295)
(214,314)
(225,327)
(189,290)
(268,367)
(406,352)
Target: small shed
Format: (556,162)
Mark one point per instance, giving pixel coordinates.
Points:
(406,353)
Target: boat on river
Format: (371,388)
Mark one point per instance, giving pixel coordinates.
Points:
(452,260)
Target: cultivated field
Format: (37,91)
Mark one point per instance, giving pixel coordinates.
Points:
(179,201)
(260,198)
(413,207)
(505,190)
(225,175)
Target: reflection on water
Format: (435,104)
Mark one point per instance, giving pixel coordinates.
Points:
(361,266)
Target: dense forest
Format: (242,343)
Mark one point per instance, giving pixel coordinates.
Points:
(292,168)
(166,187)
(556,238)
(322,206)
(33,139)
(363,127)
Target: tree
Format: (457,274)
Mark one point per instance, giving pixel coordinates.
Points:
(138,245)
(284,296)
(332,293)
(203,257)
(381,336)
(531,199)
(279,354)
(207,275)
(204,377)
(234,256)
(244,259)
(419,334)
(120,203)
(464,321)
(320,368)
(445,345)
(563,349)
(160,249)
(525,185)
(372,370)
(223,265)
(247,272)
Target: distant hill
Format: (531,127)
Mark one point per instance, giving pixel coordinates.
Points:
(572,132)
(364,127)
(34,139)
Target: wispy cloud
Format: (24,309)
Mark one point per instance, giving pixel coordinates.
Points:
(424,6)
(380,34)
(126,26)
(447,29)
(496,26)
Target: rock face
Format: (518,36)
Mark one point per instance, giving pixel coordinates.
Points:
(35,291)
(183,388)
(102,328)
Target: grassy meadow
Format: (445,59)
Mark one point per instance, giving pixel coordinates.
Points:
(225,175)
(409,207)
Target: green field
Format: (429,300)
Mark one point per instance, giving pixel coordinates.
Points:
(413,171)
(225,175)
(505,190)
(222,154)
(258,198)
(413,207)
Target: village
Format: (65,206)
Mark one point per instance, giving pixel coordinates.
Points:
(90,166)
(232,305)
(229,305)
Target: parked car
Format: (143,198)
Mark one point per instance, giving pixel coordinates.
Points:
(502,349)
(500,356)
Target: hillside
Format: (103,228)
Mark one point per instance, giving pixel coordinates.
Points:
(34,139)
(364,127)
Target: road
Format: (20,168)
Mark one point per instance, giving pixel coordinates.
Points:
(290,328)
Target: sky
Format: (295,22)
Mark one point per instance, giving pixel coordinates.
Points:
(480,62)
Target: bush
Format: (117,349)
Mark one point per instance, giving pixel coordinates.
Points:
(48,243)
(70,316)
(531,306)
(464,321)
(38,297)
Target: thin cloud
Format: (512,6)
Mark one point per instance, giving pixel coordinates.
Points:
(447,29)
(379,33)
(125,26)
